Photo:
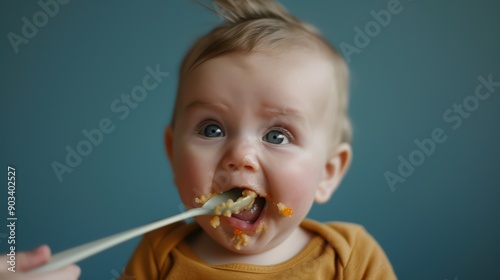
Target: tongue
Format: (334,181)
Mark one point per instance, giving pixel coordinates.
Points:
(252,214)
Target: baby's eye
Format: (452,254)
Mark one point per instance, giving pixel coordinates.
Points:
(276,137)
(212,130)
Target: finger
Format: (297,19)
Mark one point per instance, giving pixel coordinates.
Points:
(35,258)
(3,264)
(71,272)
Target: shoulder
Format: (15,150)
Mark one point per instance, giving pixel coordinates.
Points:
(350,234)
(355,248)
(345,237)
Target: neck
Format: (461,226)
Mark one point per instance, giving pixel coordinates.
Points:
(213,253)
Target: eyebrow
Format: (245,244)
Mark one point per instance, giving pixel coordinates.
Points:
(198,103)
(284,112)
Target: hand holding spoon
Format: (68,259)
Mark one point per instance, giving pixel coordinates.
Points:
(81,252)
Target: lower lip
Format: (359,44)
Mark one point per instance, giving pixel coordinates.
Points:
(245,226)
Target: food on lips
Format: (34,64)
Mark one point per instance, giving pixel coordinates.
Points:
(225,207)
(202,199)
(215,221)
(239,239)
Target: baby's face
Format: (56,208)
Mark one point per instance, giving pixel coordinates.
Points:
(259,122)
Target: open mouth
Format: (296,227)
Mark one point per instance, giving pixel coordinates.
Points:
(246,222)
(248,219)
(251,215)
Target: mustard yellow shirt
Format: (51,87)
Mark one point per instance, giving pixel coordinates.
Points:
(338,251)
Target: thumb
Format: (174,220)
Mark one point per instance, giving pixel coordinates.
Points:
(32,259)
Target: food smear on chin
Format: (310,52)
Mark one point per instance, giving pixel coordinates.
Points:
(239,239)
(284,211)
(261,227)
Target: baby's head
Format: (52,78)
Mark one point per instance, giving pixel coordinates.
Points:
(261,105)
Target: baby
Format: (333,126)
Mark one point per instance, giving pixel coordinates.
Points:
(261,107)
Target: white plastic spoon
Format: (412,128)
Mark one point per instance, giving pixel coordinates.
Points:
(81,252)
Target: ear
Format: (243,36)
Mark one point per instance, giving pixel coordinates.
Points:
(169,144)
(333,172)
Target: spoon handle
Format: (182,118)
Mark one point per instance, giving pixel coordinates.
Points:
(84,251)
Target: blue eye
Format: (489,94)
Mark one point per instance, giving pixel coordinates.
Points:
(276,137)
(212,130)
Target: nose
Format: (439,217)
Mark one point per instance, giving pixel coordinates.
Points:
(241,156)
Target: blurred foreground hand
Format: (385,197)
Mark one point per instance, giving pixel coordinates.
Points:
(25,261)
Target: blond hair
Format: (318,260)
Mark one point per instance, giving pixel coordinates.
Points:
(260,26)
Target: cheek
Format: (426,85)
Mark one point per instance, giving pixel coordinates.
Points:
(295,184)
(194,171)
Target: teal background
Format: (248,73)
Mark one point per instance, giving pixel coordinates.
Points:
(441,223)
